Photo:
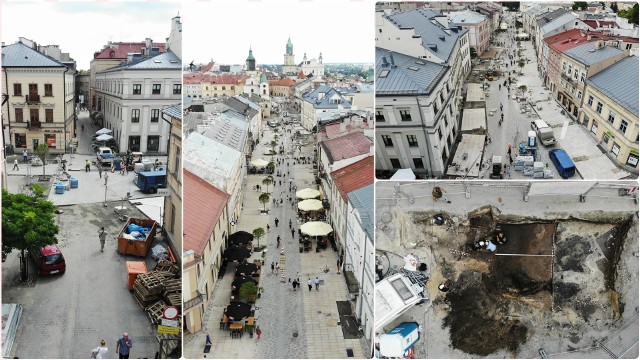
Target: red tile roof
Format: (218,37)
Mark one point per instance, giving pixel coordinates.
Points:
(203,204)
(282,82)
(347,146)
(208,67)
(576,37)
(594,24)
(193,78)
(227,79)
(353,177)
(121,49)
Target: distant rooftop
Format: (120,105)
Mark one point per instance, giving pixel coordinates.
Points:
(209,159)
(354,176)
(467,17)
(347,146)
(119,50)
(164,61)
(362,199)
(20,55)
(588,54)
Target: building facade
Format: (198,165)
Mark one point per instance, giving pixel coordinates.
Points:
(172,218)
(40,106)
(323,100)
(131,97)
(478,26)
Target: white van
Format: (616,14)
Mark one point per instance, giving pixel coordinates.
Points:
(538,124)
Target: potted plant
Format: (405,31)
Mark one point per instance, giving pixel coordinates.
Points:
(264,199)
(248,292)
(257,234)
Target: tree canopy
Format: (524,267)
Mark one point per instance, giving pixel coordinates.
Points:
(579,5)
(27,222)
(630,14)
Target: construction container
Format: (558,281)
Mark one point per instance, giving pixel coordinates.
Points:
(127,246)
(60,187)
(134,268)
(73,183)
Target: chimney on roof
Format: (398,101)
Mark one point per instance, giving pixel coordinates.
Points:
(384,61)
(148,42)
(393,63)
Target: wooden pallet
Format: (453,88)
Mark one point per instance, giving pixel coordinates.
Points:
(174,299)
(154,311)
(166,265)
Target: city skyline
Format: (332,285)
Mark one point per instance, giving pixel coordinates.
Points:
(333,38)
(142,19)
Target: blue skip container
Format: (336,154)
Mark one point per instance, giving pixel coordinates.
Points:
(73,183)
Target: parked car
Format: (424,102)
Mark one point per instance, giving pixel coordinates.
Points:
(49,260)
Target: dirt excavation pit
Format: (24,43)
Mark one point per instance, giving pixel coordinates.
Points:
(546,280)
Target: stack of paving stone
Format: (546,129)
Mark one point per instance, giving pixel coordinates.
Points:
(538,170)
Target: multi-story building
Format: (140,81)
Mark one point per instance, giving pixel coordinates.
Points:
(322,100)
(579,64)
(226,85)
(206,221)
(343,181)
(289,67)
(360,255)
(112,55)
(40,106)
(313,66)
(282,87)
(192,83)
(336,153)
(131,97)
(421,64)
(218,164)
(172,221)
(414,131)
(478,26)
(493,12)
(610,111)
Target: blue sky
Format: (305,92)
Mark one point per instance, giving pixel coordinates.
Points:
(83,27)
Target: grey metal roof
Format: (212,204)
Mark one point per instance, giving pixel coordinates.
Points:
(410,75)
(222,130)
(620,83)
(435,38)
(362,199)
(241,105)
(549,17)
(467,17)
(588,54)
(558,22)
(20,55)
(325,102)
(164,61)
(174,111)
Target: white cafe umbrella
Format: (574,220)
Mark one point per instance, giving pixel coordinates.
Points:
(259,163)
(310,205)
(103,131)
(316,228)
(104,137)
(307,193)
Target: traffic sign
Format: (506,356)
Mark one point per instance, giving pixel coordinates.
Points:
(168,330)
(170,312)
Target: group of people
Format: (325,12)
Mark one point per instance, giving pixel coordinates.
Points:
(123,348)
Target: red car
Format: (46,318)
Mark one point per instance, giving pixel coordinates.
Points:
(48,260)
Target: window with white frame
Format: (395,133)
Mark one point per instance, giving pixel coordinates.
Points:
(612,117)
(623,126)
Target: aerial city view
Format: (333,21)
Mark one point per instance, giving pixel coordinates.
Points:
(90,185)
(506,91)
(278,190)
(269,184)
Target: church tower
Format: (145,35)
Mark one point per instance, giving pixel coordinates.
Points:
(251,61)
(289,66)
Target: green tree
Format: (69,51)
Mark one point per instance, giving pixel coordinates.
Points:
(579,5)
(267,181)
(264,199)
(614,7)
(521,65)
(27,223)
(271,166)
(257,234)
(248,291)
(42,151)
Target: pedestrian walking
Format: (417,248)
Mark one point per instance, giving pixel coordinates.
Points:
(258,332)
(102,235)
(277,267)
(294,284)
(278,241)
(310,283)
(106,178)
(87,166)
(268,227)
(99,170)
(317,281)
(101,351)
(25,156)
(207,339)
(15,165)
(273,267)
(499,87)
(123,346)
(500,106)
(276,221)
(281,201)
(289,223)
(293,233)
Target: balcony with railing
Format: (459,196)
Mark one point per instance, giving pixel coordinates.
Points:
(34,124)
(569,79)
(32,99)
(191,303)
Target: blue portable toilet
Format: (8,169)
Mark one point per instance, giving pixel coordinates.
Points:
(73,183)
(531,138)
(59,188)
